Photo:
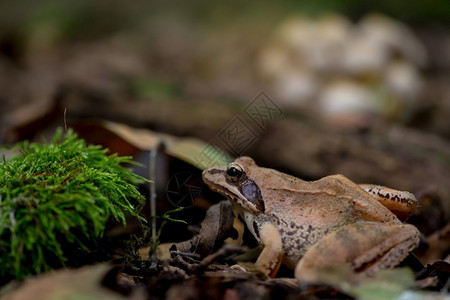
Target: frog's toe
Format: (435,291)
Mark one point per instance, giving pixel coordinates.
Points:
(250,268)
(238,268)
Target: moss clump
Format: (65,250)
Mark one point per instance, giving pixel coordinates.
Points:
(56,197)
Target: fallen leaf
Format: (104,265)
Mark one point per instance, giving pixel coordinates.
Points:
(68,284)
(191,150)
(215,228)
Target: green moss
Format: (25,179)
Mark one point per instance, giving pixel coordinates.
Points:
(56,197)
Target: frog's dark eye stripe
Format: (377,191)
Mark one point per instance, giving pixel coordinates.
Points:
(250,190)
(235,172)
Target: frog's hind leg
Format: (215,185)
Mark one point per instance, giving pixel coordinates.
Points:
(401,203)
(365,248)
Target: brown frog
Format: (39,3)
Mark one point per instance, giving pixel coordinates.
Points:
(317,224)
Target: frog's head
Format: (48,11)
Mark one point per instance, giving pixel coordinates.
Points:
(236,182)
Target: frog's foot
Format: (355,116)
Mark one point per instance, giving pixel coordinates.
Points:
(365,247)
(239,268)
(249,267)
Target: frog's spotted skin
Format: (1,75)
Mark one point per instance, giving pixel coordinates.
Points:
(297,239)
(319,223)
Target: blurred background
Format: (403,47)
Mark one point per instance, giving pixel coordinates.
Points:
(353,87)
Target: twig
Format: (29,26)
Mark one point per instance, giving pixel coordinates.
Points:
(226,250)
(446,287)
(152,199)
(185,254)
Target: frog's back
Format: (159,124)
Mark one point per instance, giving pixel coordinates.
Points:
(332,200)
(305,212)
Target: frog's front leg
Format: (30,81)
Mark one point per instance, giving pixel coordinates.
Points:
(269,260)
(365,247)
(401,203)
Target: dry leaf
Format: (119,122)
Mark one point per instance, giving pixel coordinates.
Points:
(83,283)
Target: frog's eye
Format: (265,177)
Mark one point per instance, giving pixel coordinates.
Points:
(235,172)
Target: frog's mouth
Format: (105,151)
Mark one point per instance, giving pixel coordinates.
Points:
(213,176)
(246,195)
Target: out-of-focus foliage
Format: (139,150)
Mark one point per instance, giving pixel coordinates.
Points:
(85,18)
(421,11)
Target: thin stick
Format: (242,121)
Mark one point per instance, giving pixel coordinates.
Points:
(152,196)
(65,119)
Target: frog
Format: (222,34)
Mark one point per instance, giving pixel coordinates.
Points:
(314,225)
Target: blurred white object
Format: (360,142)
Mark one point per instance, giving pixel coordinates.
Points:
(316,43)
(339,68)
(296,86)
(348,101)
(363,55)
(404,80)
(397,36)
